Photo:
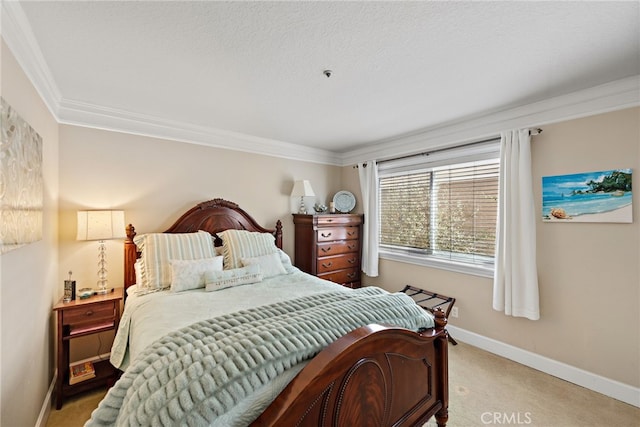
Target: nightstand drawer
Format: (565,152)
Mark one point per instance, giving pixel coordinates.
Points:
(89,313)
(337,262)
(338,233)
(336,248)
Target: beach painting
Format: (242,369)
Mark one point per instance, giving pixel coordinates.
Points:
(603,196)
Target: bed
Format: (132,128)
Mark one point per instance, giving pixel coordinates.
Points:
(266,345)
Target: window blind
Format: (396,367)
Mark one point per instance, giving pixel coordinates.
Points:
(447,211)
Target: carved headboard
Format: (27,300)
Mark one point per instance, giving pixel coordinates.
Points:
(213,216)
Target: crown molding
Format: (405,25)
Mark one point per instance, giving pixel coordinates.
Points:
(616,95)
(99,117)
(18,36)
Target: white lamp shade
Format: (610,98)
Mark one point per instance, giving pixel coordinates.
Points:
(302,188)
(100,225)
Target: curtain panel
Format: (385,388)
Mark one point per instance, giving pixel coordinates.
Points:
(368,173)
(515,285)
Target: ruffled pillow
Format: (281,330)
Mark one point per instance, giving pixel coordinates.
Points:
(159,248)
(238,244)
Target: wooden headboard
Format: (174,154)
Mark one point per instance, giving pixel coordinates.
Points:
(213,216)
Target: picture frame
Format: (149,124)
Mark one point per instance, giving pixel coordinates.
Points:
(599,196)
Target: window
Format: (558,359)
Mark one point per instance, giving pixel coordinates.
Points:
(441,209)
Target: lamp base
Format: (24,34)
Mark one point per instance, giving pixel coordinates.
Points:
(102,291)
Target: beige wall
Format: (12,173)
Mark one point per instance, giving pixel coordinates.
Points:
(28,275)
(589,274)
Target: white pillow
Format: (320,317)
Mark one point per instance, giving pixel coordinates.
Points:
(217,280)
(286,262)
(158,248)
(238,244)
(270,265)
(190,274)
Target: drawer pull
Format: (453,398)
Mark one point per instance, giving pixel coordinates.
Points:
(89,313)
(327,265)
(327,249)
(351,275)
(351,247)
(325,235)
(351,261)
(351,233)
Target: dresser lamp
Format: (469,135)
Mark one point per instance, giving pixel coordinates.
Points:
(302,189)
(101,226)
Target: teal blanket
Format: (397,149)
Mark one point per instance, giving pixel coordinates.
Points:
(196,374)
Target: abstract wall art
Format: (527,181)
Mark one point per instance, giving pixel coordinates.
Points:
(21,182)
(602,196)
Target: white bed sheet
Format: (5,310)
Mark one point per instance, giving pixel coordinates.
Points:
(149,317)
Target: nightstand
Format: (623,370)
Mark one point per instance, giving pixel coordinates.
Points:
(79,318)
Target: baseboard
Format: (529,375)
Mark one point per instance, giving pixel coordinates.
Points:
(615,389)
(43,417)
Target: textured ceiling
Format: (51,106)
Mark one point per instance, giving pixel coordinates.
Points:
(256,68)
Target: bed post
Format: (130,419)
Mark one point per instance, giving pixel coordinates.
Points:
(442,349)
(130,256)
(278,234)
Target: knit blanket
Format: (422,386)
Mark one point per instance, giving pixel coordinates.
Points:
(196,374)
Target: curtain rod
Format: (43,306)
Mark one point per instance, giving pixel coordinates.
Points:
(532,132)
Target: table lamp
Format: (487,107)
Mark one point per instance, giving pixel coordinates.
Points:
(302,189)
(101,226)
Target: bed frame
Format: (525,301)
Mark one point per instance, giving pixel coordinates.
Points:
(373,376)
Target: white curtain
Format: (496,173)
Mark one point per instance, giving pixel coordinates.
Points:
(515,284)
(368,173)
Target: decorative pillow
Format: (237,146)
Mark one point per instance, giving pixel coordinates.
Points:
(270,265)
(217,280)
(190,274)
(158,248)
(238,244)
(286,261)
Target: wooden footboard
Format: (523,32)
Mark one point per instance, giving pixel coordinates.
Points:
(374,376)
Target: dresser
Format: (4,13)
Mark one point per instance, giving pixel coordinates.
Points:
(329,246)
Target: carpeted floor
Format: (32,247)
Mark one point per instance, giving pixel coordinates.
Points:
(484,390)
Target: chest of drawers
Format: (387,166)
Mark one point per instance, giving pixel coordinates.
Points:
(329,246)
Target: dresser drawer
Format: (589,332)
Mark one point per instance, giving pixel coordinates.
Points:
(89,314)
(337,247)
(342,276)
(329,234)
(337,262)
(341,220)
